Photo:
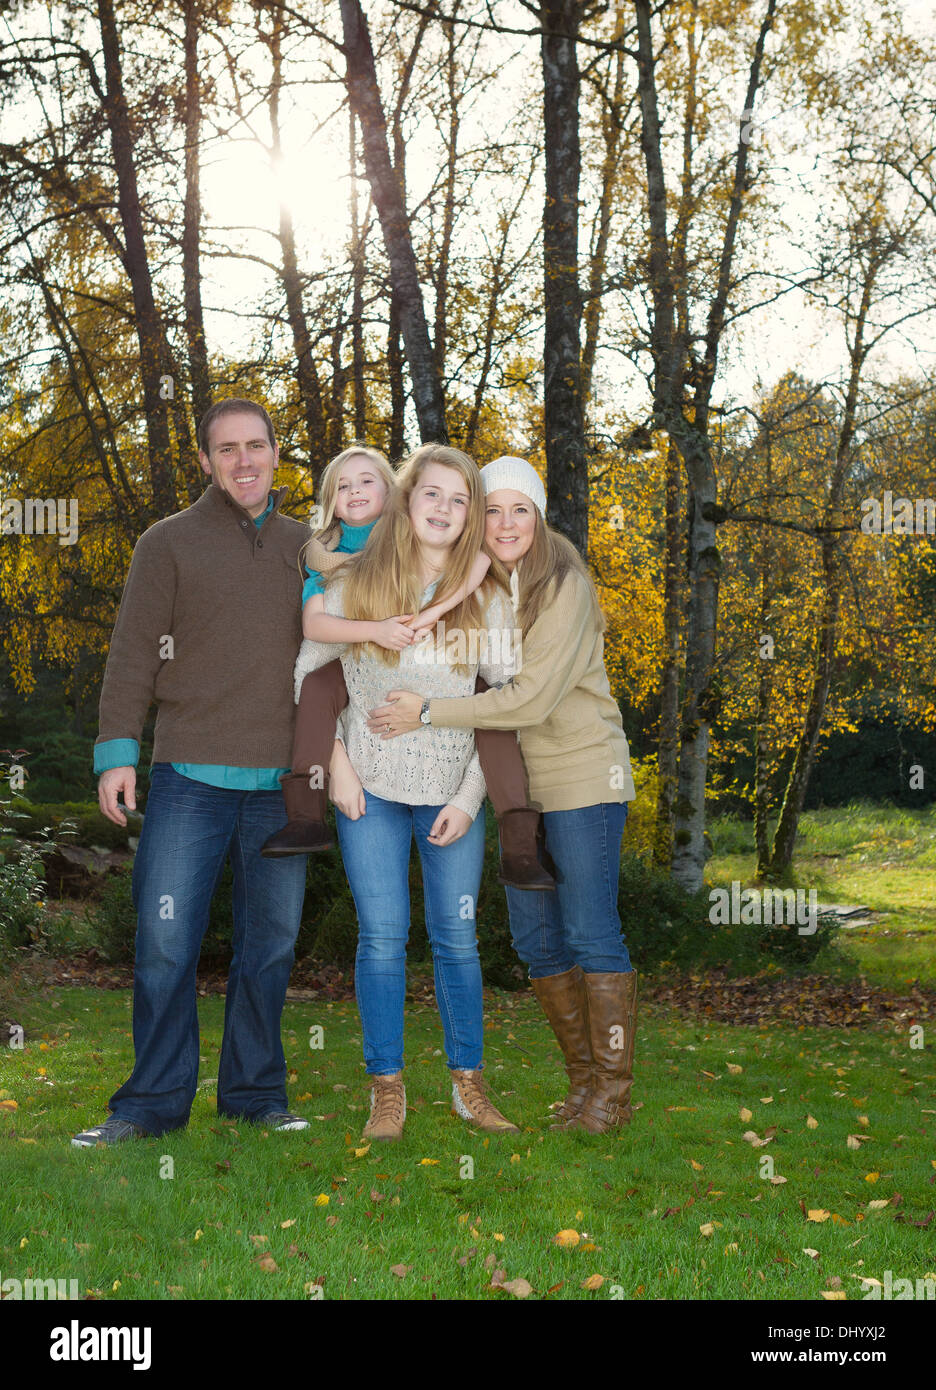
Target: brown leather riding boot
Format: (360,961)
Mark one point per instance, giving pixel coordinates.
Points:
(612,1019)
(305,831)
(520,867)
(565,1004)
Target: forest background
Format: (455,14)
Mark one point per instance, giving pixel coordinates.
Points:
(679,255)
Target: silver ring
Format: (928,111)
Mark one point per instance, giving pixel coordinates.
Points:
(388,728)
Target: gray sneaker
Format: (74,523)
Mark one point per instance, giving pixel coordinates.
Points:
(112,1131)
(281,1119)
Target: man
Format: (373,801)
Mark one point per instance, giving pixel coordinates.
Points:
(208,627)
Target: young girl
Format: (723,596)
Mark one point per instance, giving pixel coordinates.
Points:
(354,491)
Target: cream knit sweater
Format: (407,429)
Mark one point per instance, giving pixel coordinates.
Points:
(431,767)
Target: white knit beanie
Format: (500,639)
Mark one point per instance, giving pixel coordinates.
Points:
(517,475)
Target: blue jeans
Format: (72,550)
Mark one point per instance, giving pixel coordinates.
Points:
(376,852)
(188,830)
(578,924)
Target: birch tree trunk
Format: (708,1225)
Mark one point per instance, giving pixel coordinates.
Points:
(364,95)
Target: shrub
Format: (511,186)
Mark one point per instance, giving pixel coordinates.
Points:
(111,918)
(22,880)
(90,826)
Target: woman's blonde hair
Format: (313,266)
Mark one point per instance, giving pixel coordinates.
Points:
(328,491)
(542,573)
(385,578)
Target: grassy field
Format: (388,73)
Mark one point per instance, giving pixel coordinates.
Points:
(678,1206)
(882,857)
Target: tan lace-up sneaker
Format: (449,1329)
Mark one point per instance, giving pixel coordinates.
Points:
(388,1107)
(471,1102)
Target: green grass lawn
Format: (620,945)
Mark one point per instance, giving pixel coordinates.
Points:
(254,1215)
(882,857)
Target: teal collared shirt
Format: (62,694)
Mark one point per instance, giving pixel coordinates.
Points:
(125,752)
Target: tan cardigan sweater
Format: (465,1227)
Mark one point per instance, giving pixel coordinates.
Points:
(560,703)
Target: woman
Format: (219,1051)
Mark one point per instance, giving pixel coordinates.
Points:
(578,764)
(422,547)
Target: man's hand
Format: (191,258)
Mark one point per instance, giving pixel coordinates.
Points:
(449,825)
(344,785)
(400,714)
(110,786)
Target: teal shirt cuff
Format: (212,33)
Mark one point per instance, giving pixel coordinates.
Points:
(116,752)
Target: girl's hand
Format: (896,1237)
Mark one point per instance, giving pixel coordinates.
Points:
(400,712)
(344,785)
(449,825)
(393,633)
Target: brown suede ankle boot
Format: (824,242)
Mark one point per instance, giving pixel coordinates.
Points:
(388,1108)
(612,1020)
(520,867)
(471,1101)
(305,831)
(565,1004)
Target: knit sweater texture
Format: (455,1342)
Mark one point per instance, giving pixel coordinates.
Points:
(208,628)
(432,766)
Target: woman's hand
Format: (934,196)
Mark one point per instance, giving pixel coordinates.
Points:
(344,785)
(400,714)
(394,633)
(449,825)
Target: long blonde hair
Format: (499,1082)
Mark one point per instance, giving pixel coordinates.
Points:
(542,573)
(385,578)
(328,491)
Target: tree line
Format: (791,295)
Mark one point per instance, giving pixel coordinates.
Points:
(566,228)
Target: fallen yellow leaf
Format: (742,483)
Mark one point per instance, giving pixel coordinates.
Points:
(429,1162)
(566,1238)
(818,1214)
(872,1177)
(745,1114)
(734,1068)
(322,1200)
(811,1122)
(833,1294)
(285,1225)
(594,1281)
(359,1153)
(707,1229)
(696,1166)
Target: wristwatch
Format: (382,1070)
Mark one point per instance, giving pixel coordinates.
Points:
(424,713)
